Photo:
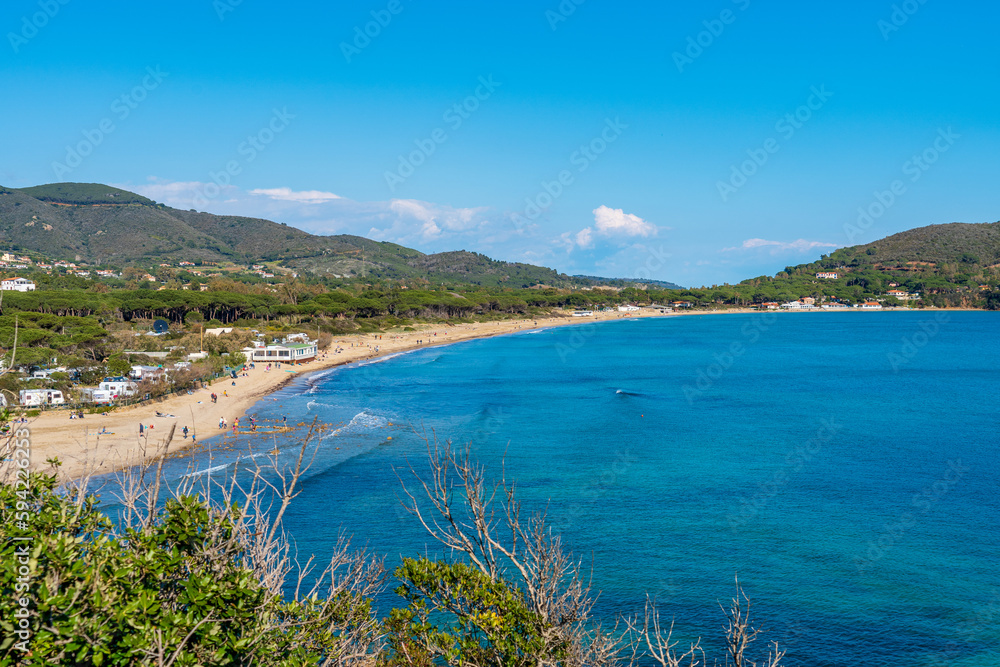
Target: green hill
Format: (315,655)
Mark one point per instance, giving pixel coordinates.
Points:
(85,193)
(955,264)
(953,243)
(99,224)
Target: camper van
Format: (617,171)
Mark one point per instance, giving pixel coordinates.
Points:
(118,386)
(37,397)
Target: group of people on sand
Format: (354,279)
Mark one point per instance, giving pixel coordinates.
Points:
(223,424)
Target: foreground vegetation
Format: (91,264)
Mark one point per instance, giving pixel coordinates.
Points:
(205,576)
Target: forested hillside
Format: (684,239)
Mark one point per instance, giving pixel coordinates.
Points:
(102,225)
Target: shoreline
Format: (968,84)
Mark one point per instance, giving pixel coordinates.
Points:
(101,444)
(84,450)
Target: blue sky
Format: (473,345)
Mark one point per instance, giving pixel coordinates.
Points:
(701,144)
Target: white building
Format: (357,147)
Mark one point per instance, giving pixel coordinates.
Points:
(828,275)
(292,353)
(583,313)
(17,284)
(628,309)
(871,305)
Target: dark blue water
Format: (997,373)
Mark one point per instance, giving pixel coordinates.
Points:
(845,465)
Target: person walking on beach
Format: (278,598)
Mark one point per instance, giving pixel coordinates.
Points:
(140,430)
(185,432)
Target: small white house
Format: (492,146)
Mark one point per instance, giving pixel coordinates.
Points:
(46,373)
(583,313)
(17,284)
(628,309)
(118,386)
(828,275)
(871,305)
(36,397)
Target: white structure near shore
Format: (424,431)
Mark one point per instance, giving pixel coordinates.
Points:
(17,284)
(286,352)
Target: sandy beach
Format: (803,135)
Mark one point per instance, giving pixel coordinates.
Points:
(100,444)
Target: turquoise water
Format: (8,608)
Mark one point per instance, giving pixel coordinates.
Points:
(845,465)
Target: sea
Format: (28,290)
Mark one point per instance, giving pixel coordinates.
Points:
(845,467)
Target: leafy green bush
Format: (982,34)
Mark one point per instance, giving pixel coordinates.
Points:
(180,586)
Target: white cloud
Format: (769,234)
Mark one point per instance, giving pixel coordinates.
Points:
(776,247)
(616,222)
(180,194)
(609,223)
(412,221)
(405,221)
(303,197)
